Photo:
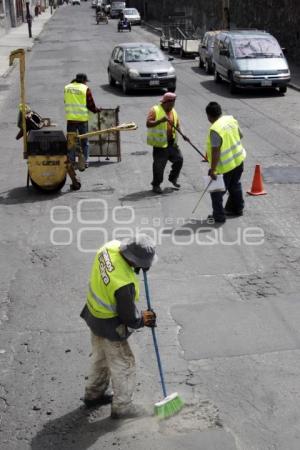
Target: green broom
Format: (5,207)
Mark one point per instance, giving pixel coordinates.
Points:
(171,404)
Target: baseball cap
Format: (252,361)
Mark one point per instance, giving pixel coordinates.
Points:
(168,97)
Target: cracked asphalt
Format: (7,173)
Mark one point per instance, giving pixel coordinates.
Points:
(227,298)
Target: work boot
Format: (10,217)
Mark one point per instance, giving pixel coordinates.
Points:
(175,184)
(230,213)
(104,399)
(216,219)
(157,189)
(128,412)
(75,186)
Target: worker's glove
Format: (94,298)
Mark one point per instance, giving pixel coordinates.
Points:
(212,174)
(149,318)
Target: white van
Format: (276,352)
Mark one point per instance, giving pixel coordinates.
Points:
(250,58)
(116,9)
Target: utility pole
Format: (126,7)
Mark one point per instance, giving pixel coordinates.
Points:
(225,5)
(29,19)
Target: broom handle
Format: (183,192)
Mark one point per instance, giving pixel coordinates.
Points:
(185,137)
(154,338)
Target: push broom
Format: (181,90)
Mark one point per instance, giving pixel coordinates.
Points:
(171,404)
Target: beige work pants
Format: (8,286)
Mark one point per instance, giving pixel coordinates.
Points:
(111,360)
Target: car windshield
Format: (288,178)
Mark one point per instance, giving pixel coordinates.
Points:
(256,48)
(139,54)
(130,12)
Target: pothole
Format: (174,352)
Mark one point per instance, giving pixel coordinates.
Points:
(193,417)
(282,174)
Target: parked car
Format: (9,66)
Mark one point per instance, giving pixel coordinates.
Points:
(140,66)
(106,6)
(250,58)
(205,51)
(132,15)
(116,9)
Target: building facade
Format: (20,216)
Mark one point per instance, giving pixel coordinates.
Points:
(279,17)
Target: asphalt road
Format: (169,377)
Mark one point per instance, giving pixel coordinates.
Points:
(227,298)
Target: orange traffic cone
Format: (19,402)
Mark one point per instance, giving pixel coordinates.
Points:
(257,183)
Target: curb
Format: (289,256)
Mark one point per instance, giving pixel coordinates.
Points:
(294,86)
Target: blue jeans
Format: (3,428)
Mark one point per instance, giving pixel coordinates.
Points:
(235,202)
(82,128)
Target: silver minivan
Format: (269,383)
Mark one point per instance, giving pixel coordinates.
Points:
(250,58)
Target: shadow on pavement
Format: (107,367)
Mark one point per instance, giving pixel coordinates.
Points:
(141,195)
(194,226)
(73,431)
(117,91)
(103,162)
(223,90)
(23,194)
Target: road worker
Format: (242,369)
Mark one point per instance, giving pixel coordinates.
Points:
(226,156)
(111,314)
(79,101)
(162,137)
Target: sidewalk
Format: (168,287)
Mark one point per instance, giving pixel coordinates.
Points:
(18,38)
(295,72)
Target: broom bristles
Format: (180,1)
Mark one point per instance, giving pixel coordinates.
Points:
(169,406)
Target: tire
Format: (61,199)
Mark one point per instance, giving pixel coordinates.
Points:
(217,77)
(208,68)
(125,88)
(283,89)
(233,86)
(111,80)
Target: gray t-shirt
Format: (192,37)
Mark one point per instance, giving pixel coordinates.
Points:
(216,140)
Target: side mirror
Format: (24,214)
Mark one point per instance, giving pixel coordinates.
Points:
(284,51)
(170,58)
(224,52)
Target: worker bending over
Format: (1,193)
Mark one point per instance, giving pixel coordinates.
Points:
(111,314)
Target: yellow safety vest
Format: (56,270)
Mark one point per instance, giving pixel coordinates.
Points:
(109,273)
(157,136)
(232,151)
(75,102)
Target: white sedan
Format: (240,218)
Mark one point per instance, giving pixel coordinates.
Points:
(132,15)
